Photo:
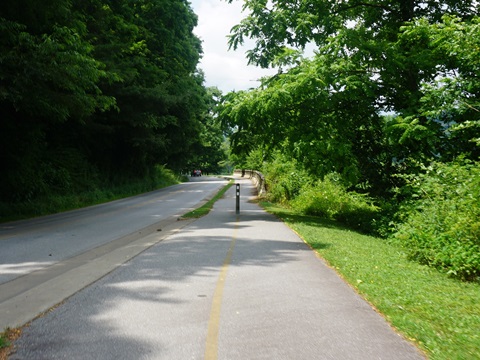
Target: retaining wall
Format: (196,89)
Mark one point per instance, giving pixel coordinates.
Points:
(256,176)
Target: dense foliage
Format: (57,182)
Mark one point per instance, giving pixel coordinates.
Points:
(442,224)
(391,90)
(99,92)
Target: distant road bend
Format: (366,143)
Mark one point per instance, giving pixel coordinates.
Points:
(34,252)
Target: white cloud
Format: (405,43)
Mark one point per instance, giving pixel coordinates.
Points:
(225,69)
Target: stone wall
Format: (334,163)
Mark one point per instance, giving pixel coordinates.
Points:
(257,178)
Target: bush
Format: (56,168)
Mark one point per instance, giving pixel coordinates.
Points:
(441,226)
(284,179)
(329,199)
(163,177)
(254,160)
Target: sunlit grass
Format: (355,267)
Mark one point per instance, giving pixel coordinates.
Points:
(441,315)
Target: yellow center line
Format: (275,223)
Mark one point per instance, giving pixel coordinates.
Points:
(211,350)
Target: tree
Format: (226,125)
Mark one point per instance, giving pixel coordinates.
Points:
(49,77)
(365,28)
(94,91)
(210,152)
(366,25)
(329,109)
(451,101)
(313,113)
(151,49)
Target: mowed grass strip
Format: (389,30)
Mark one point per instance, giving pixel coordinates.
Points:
(439,314)
(205,208)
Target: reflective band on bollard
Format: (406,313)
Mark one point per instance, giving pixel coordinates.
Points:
(238,199)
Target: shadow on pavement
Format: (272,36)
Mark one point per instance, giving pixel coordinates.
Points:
(127,313)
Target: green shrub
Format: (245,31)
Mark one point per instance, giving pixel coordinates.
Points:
(329,199)
(441,226)
(254,160)
(384,222)
(284,178)
(323,199)
(163,177)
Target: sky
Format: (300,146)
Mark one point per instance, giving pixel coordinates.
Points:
(224,69)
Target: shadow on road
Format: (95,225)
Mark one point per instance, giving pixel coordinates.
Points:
(128,312)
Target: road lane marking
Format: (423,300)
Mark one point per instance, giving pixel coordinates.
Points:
(51,222)
(211,350)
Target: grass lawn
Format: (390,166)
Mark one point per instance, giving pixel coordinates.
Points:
(439,314)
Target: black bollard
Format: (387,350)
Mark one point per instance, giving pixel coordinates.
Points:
(238,199)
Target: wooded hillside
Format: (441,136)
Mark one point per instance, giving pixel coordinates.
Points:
(97,91)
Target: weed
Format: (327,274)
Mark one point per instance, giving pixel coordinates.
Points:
(6,339)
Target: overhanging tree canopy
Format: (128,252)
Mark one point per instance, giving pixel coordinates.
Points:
(371,57)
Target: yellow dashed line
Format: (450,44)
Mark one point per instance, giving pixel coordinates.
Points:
(211,350)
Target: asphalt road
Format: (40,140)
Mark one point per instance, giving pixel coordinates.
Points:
(226,286)
(44,260)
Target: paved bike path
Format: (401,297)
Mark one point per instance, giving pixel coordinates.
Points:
(226,286)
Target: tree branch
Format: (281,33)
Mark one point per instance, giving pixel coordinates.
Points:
(361,4)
